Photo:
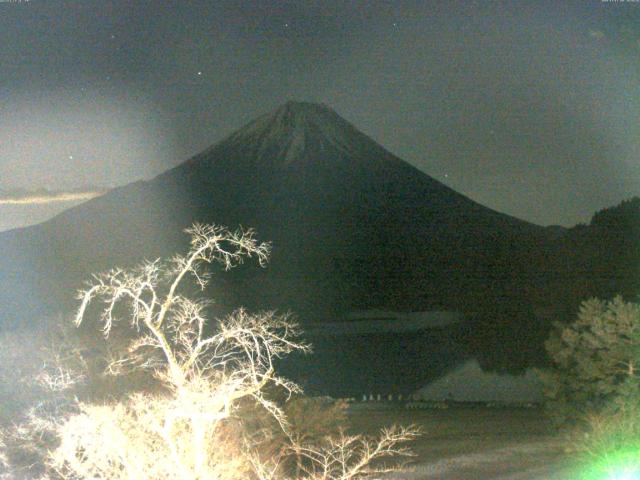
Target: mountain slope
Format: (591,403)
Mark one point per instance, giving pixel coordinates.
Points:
(353,227)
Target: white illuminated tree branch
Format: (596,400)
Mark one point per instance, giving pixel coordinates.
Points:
(195,431)
(237,359)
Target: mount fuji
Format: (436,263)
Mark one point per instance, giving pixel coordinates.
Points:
(353,228)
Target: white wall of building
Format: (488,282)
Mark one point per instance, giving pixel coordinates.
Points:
(469,383)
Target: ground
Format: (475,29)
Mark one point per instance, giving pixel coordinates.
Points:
(475,443)
(472,442)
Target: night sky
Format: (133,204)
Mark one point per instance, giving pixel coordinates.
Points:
(531,108)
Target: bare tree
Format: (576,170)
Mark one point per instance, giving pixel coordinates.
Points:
(194,429)
(350,457)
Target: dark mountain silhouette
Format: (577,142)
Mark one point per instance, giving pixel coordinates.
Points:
(353,227)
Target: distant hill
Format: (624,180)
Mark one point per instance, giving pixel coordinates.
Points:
(601,259)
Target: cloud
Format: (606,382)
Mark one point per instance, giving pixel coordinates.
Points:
(44,197)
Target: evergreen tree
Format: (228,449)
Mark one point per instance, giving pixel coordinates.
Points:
(596,359)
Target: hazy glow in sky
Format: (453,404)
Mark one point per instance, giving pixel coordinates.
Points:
(58,141)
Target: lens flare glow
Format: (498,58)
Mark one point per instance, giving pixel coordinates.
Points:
(621,465)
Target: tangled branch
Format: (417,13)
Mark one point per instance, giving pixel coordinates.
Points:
(196,429)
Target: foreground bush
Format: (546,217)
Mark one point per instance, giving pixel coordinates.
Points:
(213,416)
(608,443)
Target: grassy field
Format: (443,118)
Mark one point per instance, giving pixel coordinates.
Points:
(475,443)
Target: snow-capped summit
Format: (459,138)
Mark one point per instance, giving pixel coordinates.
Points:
(295,126)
